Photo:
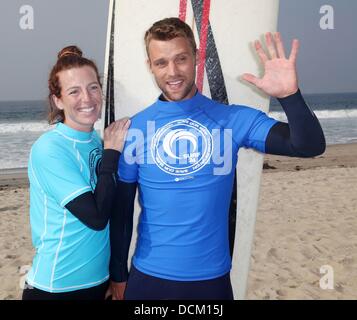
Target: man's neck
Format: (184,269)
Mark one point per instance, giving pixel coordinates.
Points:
(163,98)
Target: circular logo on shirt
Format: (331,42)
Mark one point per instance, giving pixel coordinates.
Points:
(181,147)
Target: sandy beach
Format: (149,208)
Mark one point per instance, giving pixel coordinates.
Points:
(306,219)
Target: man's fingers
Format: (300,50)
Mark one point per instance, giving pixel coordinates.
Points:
(108,293)
(118,290)
(251,79)
(294,50)
(270,45)
(279,45)
(259,49)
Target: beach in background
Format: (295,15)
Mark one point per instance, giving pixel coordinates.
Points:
(306,219)
(306,225)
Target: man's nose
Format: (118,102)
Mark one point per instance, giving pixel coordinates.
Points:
(172,68)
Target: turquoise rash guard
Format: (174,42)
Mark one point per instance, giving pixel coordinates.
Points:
(69,255)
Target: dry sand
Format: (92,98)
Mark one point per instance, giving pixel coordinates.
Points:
(307,218)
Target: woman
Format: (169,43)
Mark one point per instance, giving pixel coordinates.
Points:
(73,187)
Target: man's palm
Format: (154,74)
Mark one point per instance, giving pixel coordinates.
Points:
(280,77)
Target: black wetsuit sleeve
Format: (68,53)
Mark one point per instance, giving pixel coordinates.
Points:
(302,136)
(94,209)
(121,228)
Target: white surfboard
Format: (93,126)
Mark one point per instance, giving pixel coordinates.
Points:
(224,32)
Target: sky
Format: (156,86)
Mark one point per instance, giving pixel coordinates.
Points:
(326,61)
(327,58)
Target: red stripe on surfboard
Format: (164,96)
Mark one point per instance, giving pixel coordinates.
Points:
(203,44)
(183,10)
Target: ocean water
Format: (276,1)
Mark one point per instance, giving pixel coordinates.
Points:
(337,113)
(22,122)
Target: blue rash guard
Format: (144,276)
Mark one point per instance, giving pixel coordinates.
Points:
(69,255)
(183,155)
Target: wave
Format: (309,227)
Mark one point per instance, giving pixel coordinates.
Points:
(40,126)
(321,114)
(11,164)
(24,126)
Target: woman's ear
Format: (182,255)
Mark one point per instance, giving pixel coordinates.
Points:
(57,101)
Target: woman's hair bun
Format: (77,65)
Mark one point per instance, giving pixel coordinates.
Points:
(70,51)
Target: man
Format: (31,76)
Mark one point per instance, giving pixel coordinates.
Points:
(173,150)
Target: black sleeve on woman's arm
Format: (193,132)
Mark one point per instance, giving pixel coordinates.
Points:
(94,209)
(121,228)
(302,136)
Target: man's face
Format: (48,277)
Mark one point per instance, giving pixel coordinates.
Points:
(173,65)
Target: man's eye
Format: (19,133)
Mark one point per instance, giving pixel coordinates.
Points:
(160,64)
(94,87)
(73,92)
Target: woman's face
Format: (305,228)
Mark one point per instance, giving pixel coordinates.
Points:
(81,97)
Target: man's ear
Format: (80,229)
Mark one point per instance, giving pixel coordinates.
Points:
(148,62)
(196,56)
(57,102)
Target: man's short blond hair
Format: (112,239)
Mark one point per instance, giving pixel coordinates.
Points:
(168,29)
